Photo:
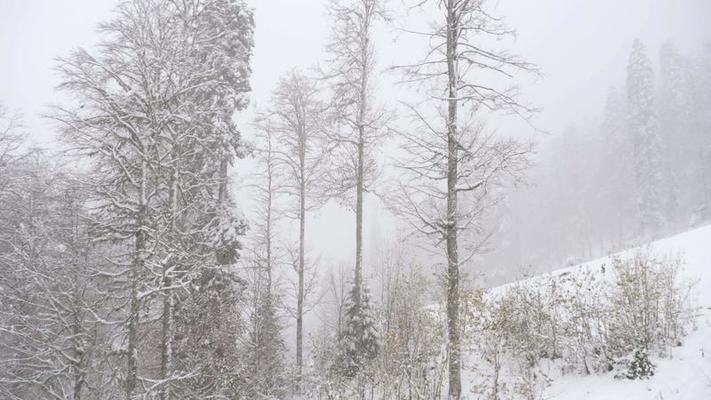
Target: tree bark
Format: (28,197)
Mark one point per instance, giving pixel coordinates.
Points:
(455,384)
(134,307)
(362,110)
(166,356)
(302,236)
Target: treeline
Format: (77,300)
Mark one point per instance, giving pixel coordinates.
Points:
(638,173)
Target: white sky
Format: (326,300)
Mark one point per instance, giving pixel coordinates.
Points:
(581,45)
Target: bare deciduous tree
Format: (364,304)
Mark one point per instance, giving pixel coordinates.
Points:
(359,121)
(297,123)
(458,158)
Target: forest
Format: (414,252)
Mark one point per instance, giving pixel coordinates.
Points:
(162,246)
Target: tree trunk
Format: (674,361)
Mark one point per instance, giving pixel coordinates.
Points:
(455,384)
(77,327)
(359,219)
(166,354)
(134,306)
(362,110)
(300,294)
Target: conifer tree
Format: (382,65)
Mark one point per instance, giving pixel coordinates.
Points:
(647,151)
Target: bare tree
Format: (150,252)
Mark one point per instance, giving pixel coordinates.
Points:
(359,121)
(266,346)
(297,124)
(457,158)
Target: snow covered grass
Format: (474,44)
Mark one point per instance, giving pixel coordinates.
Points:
(685,373)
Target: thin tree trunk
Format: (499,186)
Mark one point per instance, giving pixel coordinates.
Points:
(134,307)
(359,219)
(362,109)
(166,356)
(166,359)
(77,331)
(302,231)
(455,385)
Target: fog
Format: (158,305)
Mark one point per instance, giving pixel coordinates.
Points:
(592,136)
(581,47)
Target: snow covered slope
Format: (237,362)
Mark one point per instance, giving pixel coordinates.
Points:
(687,375)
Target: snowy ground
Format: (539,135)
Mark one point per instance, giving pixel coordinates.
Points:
(687,375)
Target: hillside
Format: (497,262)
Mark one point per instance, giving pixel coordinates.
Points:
(685,375)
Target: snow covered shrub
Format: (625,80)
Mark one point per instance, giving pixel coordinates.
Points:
(509,334)
(640,367)
(529,320)
(487,346)
(582,307)
(592,320)
(412,360)
(648,307)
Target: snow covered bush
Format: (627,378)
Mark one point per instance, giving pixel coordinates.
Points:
(413,353)
(509,334)
(588,321)
(648,306)
(640,367)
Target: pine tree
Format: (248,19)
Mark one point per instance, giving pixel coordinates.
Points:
(616,169)
(675,134)
(358,342)
(647,151)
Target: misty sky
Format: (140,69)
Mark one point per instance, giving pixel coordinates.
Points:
(581,47)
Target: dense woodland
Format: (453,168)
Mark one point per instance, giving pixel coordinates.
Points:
(128,270)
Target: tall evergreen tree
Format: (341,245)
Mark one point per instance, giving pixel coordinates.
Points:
(616,169)
(358,341)
(647,144)
(675,133)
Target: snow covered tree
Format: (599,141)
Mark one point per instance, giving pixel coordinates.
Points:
(154,117)
(358,342)
(10,142)
(450,155)
(47,294)
(675,132)
(647,152)
(616,169)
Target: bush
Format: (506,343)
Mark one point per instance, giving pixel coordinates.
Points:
(648,309)
(640,367)
(587,321)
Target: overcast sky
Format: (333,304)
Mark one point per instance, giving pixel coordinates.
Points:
(581,46)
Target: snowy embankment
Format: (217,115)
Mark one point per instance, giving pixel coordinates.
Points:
(687,374)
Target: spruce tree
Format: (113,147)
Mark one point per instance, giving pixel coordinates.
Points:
(647,153)
(358,342)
